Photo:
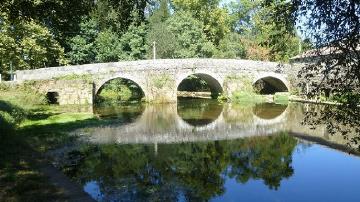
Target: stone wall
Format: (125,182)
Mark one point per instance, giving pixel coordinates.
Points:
(69,92)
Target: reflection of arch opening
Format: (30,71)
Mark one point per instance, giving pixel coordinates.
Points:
(199,112)
(200,83)
(268,111)
(270,85)
(124,113)
(119,90)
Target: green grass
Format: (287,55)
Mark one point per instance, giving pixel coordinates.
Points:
(28,128)
(57,119)
(247,97)
(281,98)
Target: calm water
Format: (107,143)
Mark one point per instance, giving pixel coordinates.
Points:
(201,150)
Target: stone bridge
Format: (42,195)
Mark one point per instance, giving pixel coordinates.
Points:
(158,79)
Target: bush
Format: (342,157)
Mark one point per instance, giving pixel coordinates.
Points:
(7,123)
(10,116)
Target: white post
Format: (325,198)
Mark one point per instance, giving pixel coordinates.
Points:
(154,50)
(0,78)
(156,148)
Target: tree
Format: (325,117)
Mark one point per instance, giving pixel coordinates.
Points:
(189,35)
(119,15)
(160,34)
(60,17)
(82,46)
(231,47)
(161,14)
(165,41)
(133,43)
(107,47)
(215,19)
(241,14)
(28,45)
(334,30)
(255,21)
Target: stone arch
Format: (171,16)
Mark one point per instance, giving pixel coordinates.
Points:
(100,84)
(213,81)
(272,83)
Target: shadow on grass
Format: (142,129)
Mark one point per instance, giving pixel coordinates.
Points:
(21,156)
(20,179)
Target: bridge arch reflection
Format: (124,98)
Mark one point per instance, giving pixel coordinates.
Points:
(199,112)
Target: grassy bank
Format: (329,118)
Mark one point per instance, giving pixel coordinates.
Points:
(29,127)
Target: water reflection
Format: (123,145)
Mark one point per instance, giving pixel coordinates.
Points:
(128,112)
(269,111)
(193,171)
(199,112)
(188,121)
(204,150)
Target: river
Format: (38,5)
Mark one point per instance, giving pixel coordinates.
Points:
(204,150)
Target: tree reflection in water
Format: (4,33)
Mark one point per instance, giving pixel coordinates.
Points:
(341,120)
(199,112)
(192,171)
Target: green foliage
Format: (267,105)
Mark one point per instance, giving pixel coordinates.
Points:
(245,92)
(241,14)
(231,46)
(215,19)
(119,15)
(119,91)
(133,45)
(263,38)
(188,166)
(160,34)
(10,116)
(190,39)
(82,45)
(246,97)
(161,14)
(107,47)
(7,123)
(27,45)
(164,39)
(193,83)
(162,81)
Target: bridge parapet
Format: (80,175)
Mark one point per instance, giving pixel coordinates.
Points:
(159,79)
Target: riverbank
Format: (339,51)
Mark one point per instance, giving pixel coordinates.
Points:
(28,128)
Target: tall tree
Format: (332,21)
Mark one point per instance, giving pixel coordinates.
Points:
(160,34)
(27,45)
(190,38)
(214,18)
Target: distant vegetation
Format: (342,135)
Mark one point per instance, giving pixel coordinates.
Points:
(80,32)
